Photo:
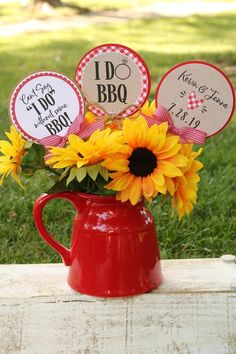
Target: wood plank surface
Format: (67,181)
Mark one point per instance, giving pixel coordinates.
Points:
(193,312)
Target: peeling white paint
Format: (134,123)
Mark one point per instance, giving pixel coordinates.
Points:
(193,312)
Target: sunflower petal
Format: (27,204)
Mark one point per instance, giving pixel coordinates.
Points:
(170,186)
(158,177)
(148,187)
(155,139)
(124,195)
(6,148)
(196,153)
(161,189)
(178,160)
(152,107)
(17,179)
(63,164)
(168,169)
(135,190)
(74,140)
(120,183)
(116,165)
(135,131)
(145,108)
(160,142)
(197,165)
(171,141)
(171,152)
(163,128)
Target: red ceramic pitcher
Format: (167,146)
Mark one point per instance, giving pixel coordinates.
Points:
(114,250)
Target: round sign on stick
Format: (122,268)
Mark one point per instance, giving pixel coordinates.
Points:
(44,104)
(114,80)
(198,95)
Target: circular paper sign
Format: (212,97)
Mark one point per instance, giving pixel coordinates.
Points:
(113,78)
(45,104)
(198,95)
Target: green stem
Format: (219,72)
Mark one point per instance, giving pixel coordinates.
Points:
(49,169)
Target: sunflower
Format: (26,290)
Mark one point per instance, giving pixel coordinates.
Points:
(184,188)
(143,162)
(13,153)
(79,153)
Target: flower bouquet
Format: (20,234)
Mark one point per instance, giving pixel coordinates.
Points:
(129,159)
(107,150)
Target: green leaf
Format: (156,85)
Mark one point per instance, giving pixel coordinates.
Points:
(101,182)
(81,173)
(27,171)
(28,144)
(71,175)
(93,171)
(106,192)
(103,172)
(64,173)
(34,157)
(59,186)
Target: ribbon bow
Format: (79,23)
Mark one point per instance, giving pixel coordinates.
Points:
(78,127)
(186,134)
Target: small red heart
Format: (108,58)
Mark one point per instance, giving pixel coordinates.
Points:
(193,102)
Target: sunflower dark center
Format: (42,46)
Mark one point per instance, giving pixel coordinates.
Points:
(142,162)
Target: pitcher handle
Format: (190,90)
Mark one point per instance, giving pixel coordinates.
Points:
(38,213)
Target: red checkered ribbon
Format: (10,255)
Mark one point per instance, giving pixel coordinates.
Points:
(78,127)
(186,134)
(193,102)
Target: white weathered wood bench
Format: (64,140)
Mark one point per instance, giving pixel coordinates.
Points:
(193,312)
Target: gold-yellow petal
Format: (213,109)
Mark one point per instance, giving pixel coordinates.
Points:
(168,169)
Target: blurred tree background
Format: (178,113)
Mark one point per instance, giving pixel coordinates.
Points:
(54,35)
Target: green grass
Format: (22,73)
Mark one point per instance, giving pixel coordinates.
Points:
(210,230)
(13,11)
(117,4)
(95,5)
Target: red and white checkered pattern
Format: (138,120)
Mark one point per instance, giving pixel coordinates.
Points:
(132,55)
(78,127)
(193,102)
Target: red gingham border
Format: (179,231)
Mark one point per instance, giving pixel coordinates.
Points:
(112,48)
(212,66)
(24,82)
